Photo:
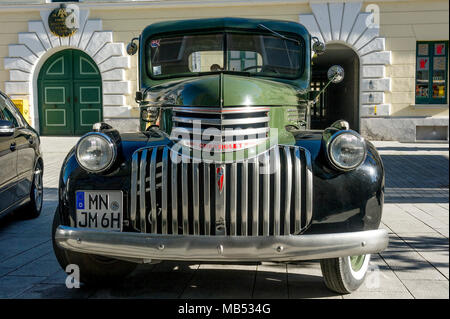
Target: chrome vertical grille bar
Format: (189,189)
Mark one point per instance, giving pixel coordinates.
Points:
(184,189)
(164,189)
(288,190)
(142,208)
(255,198)
(244,198)
(298,188)
(233,199)
(154,222)
(309,186)
(196,195)
(174,188)
(134,194)
(207,197)
(266,193)
(276,190)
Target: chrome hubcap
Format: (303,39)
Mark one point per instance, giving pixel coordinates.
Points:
(38,187)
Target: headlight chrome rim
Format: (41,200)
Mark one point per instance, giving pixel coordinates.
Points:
(111,145)
(333,162)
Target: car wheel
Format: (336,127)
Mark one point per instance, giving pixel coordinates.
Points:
(34,207)
(346,274)
(94,270)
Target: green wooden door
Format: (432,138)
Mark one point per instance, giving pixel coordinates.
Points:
(70,94)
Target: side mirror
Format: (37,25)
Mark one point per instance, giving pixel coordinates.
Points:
(150,115)
(335,73)
(318,47)
(6,128)
(132,47)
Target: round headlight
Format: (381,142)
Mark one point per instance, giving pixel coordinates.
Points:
(347,150)
(96,152)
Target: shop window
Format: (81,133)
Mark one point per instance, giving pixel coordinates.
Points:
(431,72)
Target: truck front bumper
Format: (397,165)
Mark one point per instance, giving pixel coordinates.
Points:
(144,247)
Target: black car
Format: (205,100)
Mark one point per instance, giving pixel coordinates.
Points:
(21,164)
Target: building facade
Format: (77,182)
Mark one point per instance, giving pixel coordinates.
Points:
(395,54)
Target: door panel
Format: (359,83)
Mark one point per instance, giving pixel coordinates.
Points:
(87,105)
(56,108)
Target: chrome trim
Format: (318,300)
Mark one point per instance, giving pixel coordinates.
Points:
(266,193)
(154,221)
(220,201)
(224,133)
(276,192)
(211,121)
(142,187)
(255,198)
(164,190)
(174,194)
(288,190)
(308,186)
(204,248)
(185,184)
(207,198)
(196,197)
(244,198)
(134,179)
(297,191)
(225,110)
(233,199)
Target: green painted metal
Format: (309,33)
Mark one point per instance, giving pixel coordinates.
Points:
(357,262)
(226,90)
(70,94)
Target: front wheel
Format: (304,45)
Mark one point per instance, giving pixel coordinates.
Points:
(94,270)
(345,274)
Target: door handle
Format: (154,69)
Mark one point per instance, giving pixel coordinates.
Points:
(12,147)
(75,99)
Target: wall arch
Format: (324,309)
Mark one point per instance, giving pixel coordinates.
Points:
(35,46)
(344,23)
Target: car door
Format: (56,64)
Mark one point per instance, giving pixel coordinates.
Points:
(25,140)
(8,164)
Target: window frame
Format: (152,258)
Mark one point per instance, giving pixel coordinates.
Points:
(430,100)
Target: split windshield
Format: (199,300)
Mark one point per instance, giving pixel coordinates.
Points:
(251,54)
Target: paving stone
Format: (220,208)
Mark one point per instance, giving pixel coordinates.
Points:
(271,281)
(55,292)
(428,289)
(222,281)
(43,267)
(11,286)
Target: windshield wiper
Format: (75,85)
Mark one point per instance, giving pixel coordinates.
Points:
(278,34)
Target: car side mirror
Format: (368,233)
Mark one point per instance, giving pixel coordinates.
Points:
(318,47)
(132,47)
(335,74)
(6,128)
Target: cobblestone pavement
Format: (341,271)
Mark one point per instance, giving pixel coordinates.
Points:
(415,265)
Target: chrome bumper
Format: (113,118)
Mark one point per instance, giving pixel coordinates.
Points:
(141,247)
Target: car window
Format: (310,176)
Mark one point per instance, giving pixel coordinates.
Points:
(6,111)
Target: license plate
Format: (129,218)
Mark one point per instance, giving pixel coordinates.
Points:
(99,210)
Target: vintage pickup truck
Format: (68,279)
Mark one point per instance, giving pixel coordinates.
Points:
(226,167)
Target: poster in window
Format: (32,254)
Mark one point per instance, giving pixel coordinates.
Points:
(423,64)
(422,49)
(439,49)
(439,63)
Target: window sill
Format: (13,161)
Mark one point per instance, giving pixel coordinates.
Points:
(429,106)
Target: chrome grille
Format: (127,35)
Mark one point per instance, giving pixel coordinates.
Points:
(267,195)
(198,126)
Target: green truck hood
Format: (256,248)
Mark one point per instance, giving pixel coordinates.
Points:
(232,90)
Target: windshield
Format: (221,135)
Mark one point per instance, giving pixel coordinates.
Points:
(258,54)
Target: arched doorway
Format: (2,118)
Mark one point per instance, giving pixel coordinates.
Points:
(340,101)
(69,94)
